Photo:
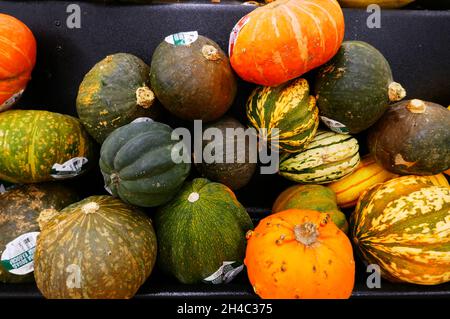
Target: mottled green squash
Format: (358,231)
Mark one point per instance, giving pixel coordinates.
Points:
(99,248)
(237,174)
(114,93)
(354,89)
(32,142)
(328,157)
(19,215)
(202,227)
(403,227)
(413,137)
(285,115)
(137,165)
(193,80)
(315,197)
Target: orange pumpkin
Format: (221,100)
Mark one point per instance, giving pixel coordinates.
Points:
(284,39)
(300,254)
(17,59)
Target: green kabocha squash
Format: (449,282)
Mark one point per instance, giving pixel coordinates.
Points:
(114,93)
(99,248)
(200,229)
(314,197)
(39,146)
(403,227)
(354,89)
(285,114)
(413,137)
(237,173)
(329,157)
(137,164)
(20,209)
(192,77)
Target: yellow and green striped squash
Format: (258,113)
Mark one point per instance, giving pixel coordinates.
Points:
(328,157)
(288,108)
(31,142)
(403,226)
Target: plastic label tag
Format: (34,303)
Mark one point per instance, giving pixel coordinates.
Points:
(235,33)
(182,38)
(225,274)
(11,101)
(142,119)
(335,126)
(71,168)
(19,254)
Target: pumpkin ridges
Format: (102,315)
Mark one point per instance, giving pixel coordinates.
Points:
(282,27)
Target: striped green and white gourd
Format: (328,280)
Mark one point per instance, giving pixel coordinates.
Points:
(329,157)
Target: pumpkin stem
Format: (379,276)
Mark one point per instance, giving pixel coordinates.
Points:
(45,216)
(145,97)
(210,53)
(90,208)
(115,178)
(416,106)
(306,233)
(193,197)
(396,92)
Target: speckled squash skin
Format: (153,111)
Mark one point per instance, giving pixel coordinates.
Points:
(299,254)
(114,93)
(386,4)
(413,137)
(31,142)
(234,175)
(195,81)
(356,87)
(19,212)
(328,157)
(315,197)
(137,165)
(99,248)
(288,108)
(203,226)
(403,226)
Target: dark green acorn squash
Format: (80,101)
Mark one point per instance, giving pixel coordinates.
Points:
(412,138)
(202,227)
(354,89)
(114,93)
(237,174)
(99,248)
(136,162)
(193,80)
(19,215)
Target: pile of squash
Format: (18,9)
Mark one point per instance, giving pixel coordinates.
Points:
(391,207)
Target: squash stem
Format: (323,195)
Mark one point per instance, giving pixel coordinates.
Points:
(396,92)
(306,233)
(145,97)
(416,106)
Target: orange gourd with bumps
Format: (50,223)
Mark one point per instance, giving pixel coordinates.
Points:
(300,254)
(285,39)
(17,59)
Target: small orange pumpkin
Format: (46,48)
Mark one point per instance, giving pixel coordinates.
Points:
(300,254)
(285,39)
(17,59)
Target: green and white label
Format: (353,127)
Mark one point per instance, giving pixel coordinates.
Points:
(335,126)
(11,101)
(69,169)
(225,274)
(18,255)
(182,38)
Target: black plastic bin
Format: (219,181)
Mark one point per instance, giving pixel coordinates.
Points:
(415,42)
